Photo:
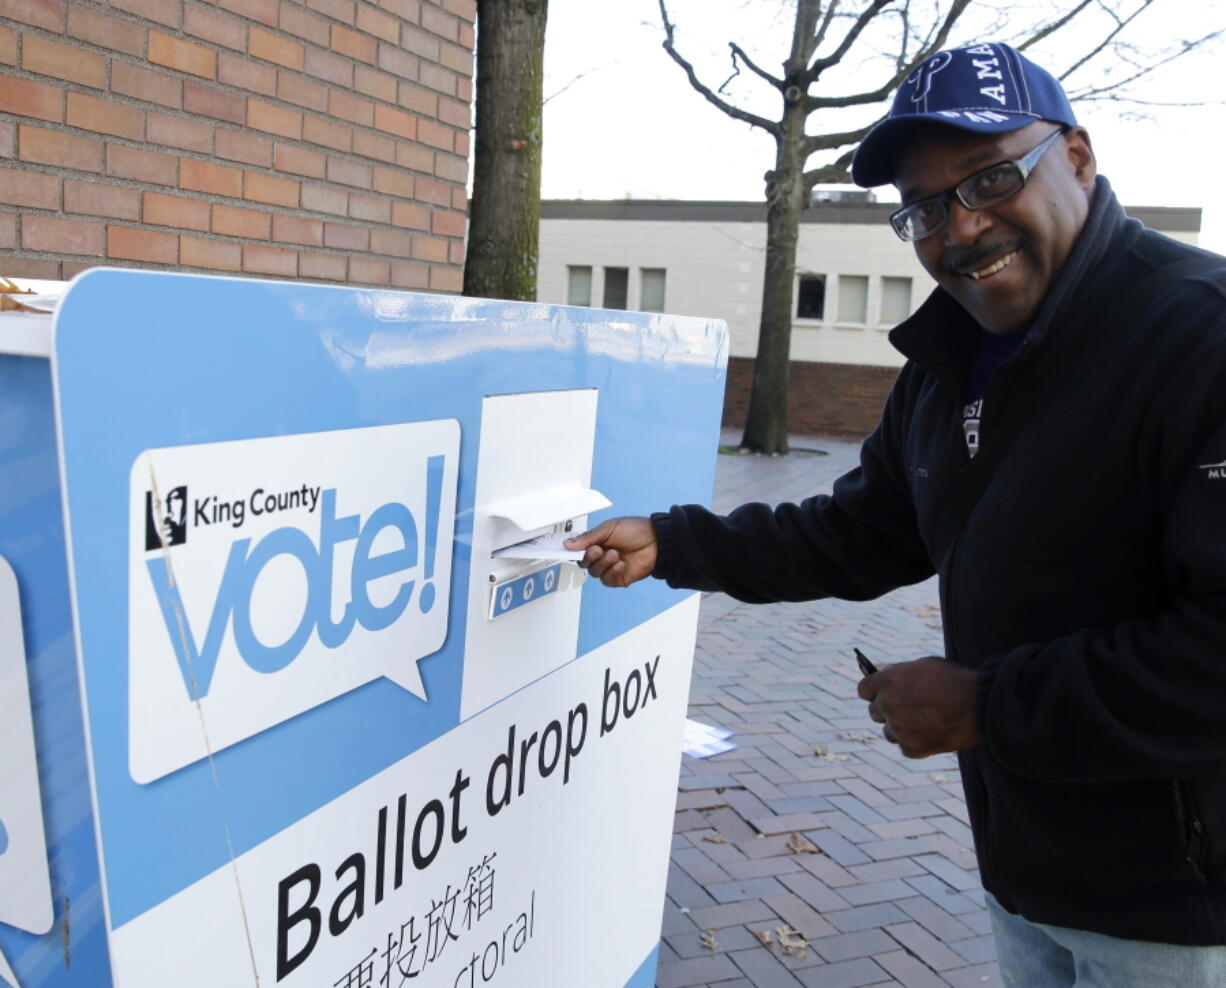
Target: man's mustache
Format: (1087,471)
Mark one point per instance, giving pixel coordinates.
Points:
(963,261)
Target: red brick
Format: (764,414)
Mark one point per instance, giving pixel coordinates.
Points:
(372,209)
(216,255)
(429,190)
(437,78)
(21,187)
(338,10)
(413,215)
(376,22)
(209,101)
(299,161)
(464,89)
(350,107)
(440,22)
(168,12)
(393,181)
(297,230)
(27,98)
(134,244)
(261,11)
(373,83)
(417,41)
(274,119)
(451,168)
(429,249)
(8,46)
(179,132)
(369,271)
(141,83)
(461,144)
(8,139)
(204,176)
(105,31)
(325,199)
(304,24)
(182,56)
(203,22)
(316,130)
(454,112)
(163,210)
(398,62)
(397,122)
(415,157)
(8,230)
(96,199)
(329,67)
(345,237)
(258,187)
(468,37)
(346,172)
(233,221)
(277,261)
(54,147)
(295,89)
(406,10)
(359,47)
(105,117)
(250,149)
(44,57)
(446,279)
(141,165)
(370,145)
(47,14)
(274,48)
(242,73)
(329,267)
(466,10)
(410,276)
(61,236)
(391,242)
(30,267)
(448,224)
(457,58)
(421,101)
(456,252)
(459,199)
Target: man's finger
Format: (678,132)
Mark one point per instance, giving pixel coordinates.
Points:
(593,536)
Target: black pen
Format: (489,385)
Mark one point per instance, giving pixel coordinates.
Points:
(866,666)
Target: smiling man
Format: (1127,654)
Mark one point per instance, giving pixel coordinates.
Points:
(1052,450)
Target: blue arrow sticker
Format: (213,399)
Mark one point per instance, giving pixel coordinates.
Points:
(515,593)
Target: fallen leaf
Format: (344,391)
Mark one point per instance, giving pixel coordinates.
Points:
(938,777)
(715,839)
(764,936)
(708,940)
(791,941)
(799,844)
(821,751)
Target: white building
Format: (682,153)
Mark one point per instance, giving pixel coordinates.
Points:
(854,280)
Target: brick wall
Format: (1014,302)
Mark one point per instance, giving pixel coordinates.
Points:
(322,139)
(823,399)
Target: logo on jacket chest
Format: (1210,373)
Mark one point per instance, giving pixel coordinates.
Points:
(1214,471)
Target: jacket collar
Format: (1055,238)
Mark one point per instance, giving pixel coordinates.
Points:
(942,337)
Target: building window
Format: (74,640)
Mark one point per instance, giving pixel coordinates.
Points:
(578,285)
(895,300)
(853,298)
(811,297)
(616,287)
(651,289)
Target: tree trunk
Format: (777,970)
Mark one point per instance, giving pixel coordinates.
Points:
(504,222)
(766,428)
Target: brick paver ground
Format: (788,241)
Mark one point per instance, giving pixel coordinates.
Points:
(815,824)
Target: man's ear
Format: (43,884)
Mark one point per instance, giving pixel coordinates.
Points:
(1081,156)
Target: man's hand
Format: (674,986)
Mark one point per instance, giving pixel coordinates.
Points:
(927,706)
(620,551)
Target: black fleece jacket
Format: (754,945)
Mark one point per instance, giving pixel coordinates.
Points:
(1087,585)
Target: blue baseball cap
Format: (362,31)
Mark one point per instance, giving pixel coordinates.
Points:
(984,88)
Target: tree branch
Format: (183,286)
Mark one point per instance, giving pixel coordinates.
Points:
(836,171)
(821,31)
(1119,26)
(823,142)
(1054,26)
(1187,46)
(733,111)
(821,64)
(738,52)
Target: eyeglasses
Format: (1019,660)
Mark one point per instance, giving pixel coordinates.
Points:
(987,187)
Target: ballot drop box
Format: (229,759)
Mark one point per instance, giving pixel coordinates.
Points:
(297,685)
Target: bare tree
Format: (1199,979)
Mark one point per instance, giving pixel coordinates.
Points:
(504,220)
(895,35)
